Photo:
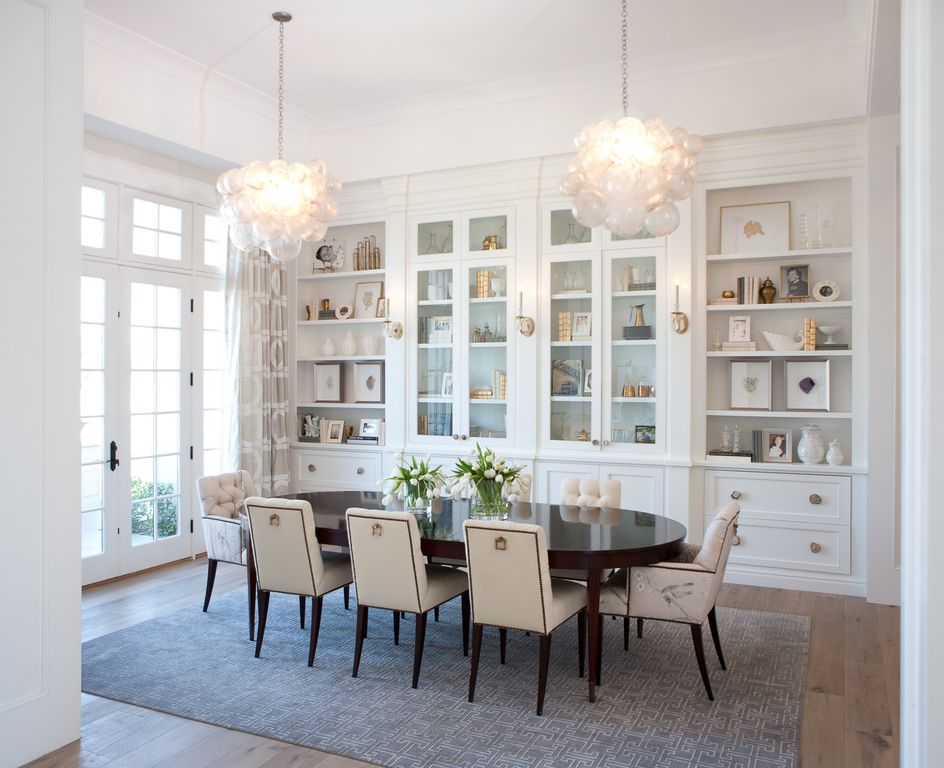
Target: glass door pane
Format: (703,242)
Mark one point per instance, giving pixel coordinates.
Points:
(435,358)
(487,340)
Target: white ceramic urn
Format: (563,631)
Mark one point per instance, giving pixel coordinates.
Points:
(834,456)
(349,345)
(811,449)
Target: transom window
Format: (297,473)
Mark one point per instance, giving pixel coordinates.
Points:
(157,230)
(93,218)
(214,241)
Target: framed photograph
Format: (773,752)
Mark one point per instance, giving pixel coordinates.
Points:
(826,290)
(777,445)
(755,228)
(440,329)
(365,298)
(368,383)
(566,377)
(382,307)
(588,382)
(795,281)
(328,383)
(739,328)
(446,389)
(343,312)
(751,385)
(335,431)
(645,433)
(807,383)
(371,428)
(581,326)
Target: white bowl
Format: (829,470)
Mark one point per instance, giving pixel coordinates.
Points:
(780,342)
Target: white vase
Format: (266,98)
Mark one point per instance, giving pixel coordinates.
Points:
(348,346)
(811,449)
(834,456)
(370,345)
(327,348)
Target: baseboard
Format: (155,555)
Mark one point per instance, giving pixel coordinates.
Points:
(830,585)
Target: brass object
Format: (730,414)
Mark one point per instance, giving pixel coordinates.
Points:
(326,304)
(815,548)
(274,519)
(643,390)
(767,291)
(308,311)
(629,390)
(727,294)
(583,436)
(638,316)
(490,243)
(376,529)
(815,498)
(736,541)
(679,322)
(501,544)
(482,284)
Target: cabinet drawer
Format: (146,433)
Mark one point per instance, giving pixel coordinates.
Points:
(769,496)
(342,470)
(795,547)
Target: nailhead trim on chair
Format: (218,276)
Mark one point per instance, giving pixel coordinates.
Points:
(311,573)
(409,530)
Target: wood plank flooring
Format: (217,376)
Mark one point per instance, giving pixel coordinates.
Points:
(850,709)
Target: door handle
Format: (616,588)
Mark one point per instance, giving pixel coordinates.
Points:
(113,456)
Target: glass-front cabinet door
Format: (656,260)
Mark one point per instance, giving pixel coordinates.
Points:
(435,416)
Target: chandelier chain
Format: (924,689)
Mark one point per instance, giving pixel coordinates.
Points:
(624,63)
(281,83)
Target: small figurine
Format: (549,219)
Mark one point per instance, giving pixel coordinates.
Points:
(726,440)
(737,438)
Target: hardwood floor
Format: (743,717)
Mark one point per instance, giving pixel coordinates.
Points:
(850,710)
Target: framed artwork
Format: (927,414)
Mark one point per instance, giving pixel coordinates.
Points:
(795,281)
(777,445)
(446,389)
(368,383)
(343,312)
(807,384)
(440,329)
(739,328)
(370,428)
(751,385)
(645,433)
(581,326)
(328,382)
(755,228)
(365,298)
(335,431)
(566,377)
(825,290)
(382,307)
(588,382)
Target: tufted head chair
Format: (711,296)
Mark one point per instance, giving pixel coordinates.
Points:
(583,492)
(523,492)
(221,501)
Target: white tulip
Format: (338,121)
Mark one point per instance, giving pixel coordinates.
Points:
(387,499)
(489,473)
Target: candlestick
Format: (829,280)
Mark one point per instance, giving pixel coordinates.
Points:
(520,302)
(676,295)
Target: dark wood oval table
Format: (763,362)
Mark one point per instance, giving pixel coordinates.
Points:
(584,539)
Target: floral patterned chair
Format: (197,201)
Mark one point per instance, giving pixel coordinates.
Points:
(682,590)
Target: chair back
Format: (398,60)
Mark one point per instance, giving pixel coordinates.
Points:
(284,545)
(389,569)
(714,551)
(223,495)
(585,492)
(509,578)
(523,493)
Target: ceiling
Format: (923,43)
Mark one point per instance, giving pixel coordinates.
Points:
(352,54)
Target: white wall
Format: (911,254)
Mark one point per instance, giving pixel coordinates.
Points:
(40,152)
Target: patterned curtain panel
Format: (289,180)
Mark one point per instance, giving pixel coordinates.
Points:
(257,341)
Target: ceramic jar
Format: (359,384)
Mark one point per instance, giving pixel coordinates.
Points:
(349,345)
(811,449)
(327,348)
(834,456)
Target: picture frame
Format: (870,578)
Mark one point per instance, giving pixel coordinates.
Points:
(329,382)
(567,377)
(777,445)
(587,382)
(381,307)
(751,385)
(645,433)
(446,388)
(440,329)
(368,382)
(755,227)
(343,311)
(739,328)
(335,431)
(826,290)
(365,298)
(807,384)
(581,326)
(799,286)
(370,428)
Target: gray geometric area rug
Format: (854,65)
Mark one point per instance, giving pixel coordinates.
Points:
(651,711)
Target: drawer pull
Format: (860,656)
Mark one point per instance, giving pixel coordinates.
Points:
(736,541)
(463,437)
(815,498)
(815,548)
(360,470)
(735,495)
(311,467)
(455,436)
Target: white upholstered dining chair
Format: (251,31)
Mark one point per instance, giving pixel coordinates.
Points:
(288,559)
(587,492)
(681,590)
(510,587)
(523,489)
(390,573)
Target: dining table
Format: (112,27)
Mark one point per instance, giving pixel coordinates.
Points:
(585,542)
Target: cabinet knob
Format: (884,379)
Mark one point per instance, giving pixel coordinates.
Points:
(815,498)
(463,437)
(311,467)
(594,442)
(815,548)
(736,541)
(360,470)
(455,435)
(735,495)
(606,443)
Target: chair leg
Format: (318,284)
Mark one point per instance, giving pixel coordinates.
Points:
(316,605)
(418,647)
(503,640)
(301,610)
(542,670)
(600,653)
(713,624)
(639,628)
(476,651)
(263,613)
(465,623)
(626,633)
(361,634)
(211,578)
(700,655)
(347,597)
(436,613)
(581,639)
(252,588)
(396,627)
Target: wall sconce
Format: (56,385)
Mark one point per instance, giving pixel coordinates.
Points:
(525,323)
(679,318)
(393,329)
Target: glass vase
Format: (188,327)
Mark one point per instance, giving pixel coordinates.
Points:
(487,501)
(421,506)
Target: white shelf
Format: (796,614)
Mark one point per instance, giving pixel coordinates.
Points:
(487,401)
(776,353)
(490,300)
(617,399)
(570,399)
(778,466)
(353,406)
(814,415)
(434,399)
(581,343)
(577,296)
(478,344)
(427,345)
(798,305)
(341,359)
(434,303)
(343,274)
(633,342)
(306,445)
(632,294)
(349,321)
(798,253)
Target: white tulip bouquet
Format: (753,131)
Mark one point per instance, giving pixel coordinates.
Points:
(415,481)
(489,477)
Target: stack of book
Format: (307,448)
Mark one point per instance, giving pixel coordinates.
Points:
(637,332)
(746,290)
(722,300)
(738,346)
(564,320)
(718,455)
(809,334)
